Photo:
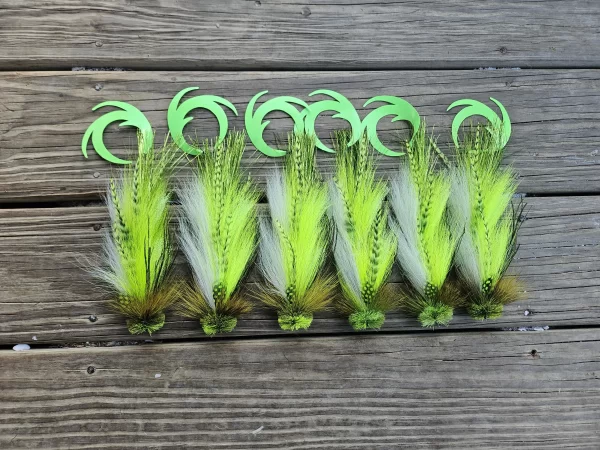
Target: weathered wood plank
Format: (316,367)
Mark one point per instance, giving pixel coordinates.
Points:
(46,293)
(446,390)
(43,117)
(346,34)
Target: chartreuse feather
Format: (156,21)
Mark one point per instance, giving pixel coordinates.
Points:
(294,240)
(364,247)
(426,245)
(483,211)
(218,235)
(138,250)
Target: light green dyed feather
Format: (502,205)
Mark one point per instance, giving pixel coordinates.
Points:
(419,201)
(295,241)
(364,248)
(219,233)
(483,208)
(138,250)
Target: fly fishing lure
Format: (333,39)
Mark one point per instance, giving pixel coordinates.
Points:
(364,246)
(138,250)
(218,235)
(294,241)
(426,246)
(483,212)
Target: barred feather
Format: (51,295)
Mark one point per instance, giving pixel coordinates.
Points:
(294,242)
(426,246)
(218,235)
(482,208)
(138,250)
(364,247)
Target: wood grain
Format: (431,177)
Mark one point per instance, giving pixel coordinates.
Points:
(465,391)
(267,34)
(46,293)
(43,116)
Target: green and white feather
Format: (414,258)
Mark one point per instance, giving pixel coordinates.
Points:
(295,238)
(138,250)
(364,246)
(482,210)
(426,246)
(218,235)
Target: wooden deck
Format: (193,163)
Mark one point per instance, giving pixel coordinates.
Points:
(530,379)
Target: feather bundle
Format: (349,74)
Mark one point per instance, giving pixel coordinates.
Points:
(138,250)
(483,211)
(218,235)
(294,241)
(418,199)
(364,247)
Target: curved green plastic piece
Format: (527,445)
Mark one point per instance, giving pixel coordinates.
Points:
(396,106)
(476,108)
(177,117)
(255,127)
(130,116)
(345,110)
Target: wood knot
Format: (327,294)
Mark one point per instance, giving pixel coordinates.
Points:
(503,50)
(306,11)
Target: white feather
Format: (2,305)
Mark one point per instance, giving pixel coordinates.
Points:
(404,203)
(195,237)
(113,272)
(342,250)
(271,257)
(346,263)
(466,258)
(276,195)
(338,208)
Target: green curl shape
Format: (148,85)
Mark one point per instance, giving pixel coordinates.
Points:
(129,115)
(255,126)
(396,106)
(476,108)
(177,117)
(345,110)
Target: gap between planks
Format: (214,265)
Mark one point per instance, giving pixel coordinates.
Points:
(554,146)
(47,294)
(461,390)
